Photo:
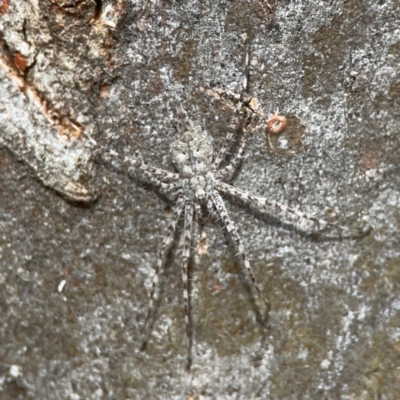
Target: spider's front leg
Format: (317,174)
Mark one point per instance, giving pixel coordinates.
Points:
(229,169)
(245,107)
(167,242)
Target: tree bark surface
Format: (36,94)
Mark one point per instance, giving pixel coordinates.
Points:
(80,231)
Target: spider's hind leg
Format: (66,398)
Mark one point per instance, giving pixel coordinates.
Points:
(161,260)
(230,227)
(185,243)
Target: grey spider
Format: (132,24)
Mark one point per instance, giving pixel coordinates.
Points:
(199,182)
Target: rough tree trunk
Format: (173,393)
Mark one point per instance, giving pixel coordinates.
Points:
(76,269)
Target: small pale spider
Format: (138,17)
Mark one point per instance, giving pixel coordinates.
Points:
(199,185)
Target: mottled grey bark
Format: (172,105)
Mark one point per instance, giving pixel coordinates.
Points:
(117,71)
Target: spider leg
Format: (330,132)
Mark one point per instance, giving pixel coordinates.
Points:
(227,143)
(230,227)
(167,186)
(244,104)
(212,211)
(156,172)
(263,202)
(197,208)
(231,167)
(197,217)
(168,239)
(185,244)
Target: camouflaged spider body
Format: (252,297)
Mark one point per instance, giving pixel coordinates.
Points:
(197,187)
(192,156)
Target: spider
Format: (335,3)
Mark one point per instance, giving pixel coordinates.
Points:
(199,185)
